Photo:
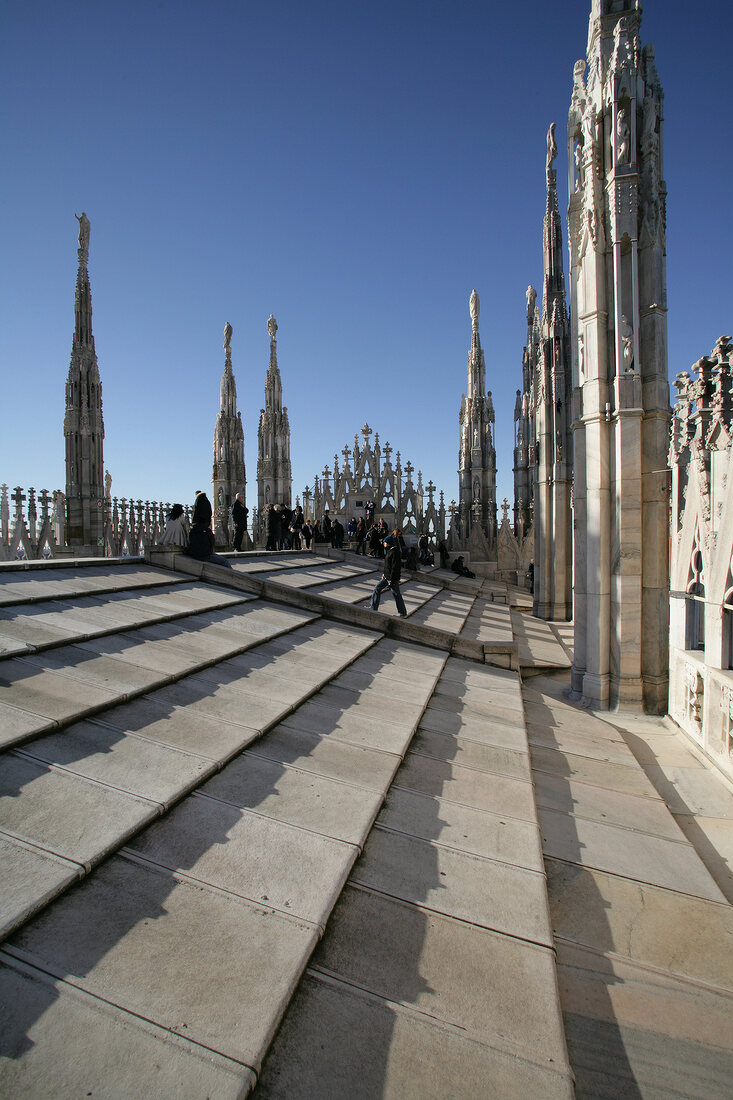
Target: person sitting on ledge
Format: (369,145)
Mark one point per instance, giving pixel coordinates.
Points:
(459,567)
(201,537)
(176,528)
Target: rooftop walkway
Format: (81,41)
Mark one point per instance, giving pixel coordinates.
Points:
(254,835)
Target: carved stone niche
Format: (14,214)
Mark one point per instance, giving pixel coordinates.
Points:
(694,695)
(726,732)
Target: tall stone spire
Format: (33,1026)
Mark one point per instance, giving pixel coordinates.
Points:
(274,475)
(228,475)
(621,412)
(524,422)
(477,455)
(83,423)
(553,439)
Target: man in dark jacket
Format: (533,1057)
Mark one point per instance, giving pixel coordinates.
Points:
(391,575)
(201,509)
(337,534)
(273,528)
(239,515)
(286,516)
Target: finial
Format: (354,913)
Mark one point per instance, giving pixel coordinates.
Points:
(228,330)
(474,306)
(272,326)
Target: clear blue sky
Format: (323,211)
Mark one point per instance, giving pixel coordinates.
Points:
(355,169)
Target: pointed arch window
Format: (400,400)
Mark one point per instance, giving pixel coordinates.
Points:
(728,618)
(695,599)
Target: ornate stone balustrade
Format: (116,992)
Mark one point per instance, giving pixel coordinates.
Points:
(33,524)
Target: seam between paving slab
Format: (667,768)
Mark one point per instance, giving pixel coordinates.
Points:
(319,973)
(641,964)
(32,648)
(21,961)
(162,808)
(166,680)
(186,876)
(641,881)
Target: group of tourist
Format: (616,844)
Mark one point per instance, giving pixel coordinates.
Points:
(289,529)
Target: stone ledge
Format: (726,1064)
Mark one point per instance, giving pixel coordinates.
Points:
(503,655)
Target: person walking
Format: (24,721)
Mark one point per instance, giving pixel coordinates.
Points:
(391,575)
(239,515)
(361,534)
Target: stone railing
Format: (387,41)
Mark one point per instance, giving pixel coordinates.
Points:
(33,524)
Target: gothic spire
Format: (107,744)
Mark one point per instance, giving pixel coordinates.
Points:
(83,422)
(476,364)
(273,383)
(553,294)
(83,298)
(228,391)
(228,475)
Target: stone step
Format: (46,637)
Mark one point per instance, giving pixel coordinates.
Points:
(26,584)
(71,798)
(203,925)
(28,628)
(436,974)
(41,692)
(642,930)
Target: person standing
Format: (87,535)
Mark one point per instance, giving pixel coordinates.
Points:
(307,533)
(273,527)
(239,515)
(286,516)
(296,527)
(337,534)
(391,575)
(361,534)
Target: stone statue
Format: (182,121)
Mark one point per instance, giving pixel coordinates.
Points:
(581,357)
(272,326)
(622,138)
(474,306)
(627,343)
(475,437)
(551,148)
(108,485)
(228,330)
(579,166)
(531,299)
(83,221)
(588,125)
(650,114)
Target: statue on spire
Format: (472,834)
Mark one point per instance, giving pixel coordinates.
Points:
(83,221)
(272,326)
(551,148)
(228,330)
(474,306)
